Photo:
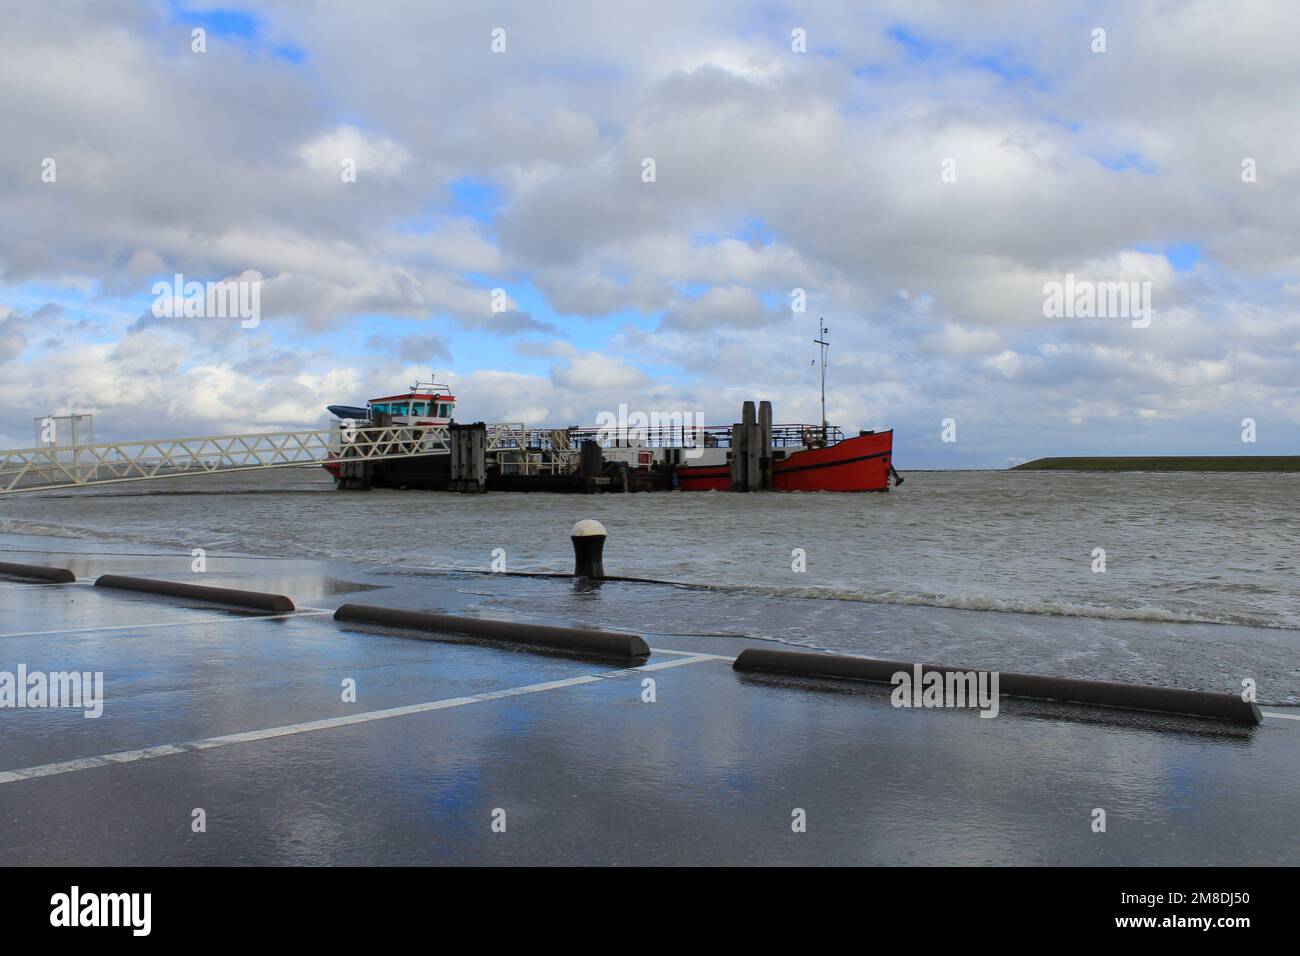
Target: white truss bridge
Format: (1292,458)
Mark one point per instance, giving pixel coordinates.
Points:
(72,466)
(51,467)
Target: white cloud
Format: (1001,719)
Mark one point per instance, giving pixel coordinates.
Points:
(726,306)
(775,170)
(369,155)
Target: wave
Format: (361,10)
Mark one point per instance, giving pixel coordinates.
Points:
(1052,607)
(962,602)
(1022,605)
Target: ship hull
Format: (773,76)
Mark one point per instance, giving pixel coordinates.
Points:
(854,464)
(421,471)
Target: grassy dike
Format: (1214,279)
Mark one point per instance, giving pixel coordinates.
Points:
(1167,463)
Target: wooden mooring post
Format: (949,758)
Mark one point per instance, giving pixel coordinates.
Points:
(747,451)
(765,445)
(468,458)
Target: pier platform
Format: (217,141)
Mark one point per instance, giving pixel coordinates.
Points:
(455,752)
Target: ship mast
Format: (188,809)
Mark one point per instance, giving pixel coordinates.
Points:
(825,345)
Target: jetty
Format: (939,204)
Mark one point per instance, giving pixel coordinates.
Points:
(1165,463)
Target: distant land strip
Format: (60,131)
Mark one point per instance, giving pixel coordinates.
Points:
(1167,463)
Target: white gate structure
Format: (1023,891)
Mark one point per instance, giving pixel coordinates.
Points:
(64,431)
(74,465)
(519,450)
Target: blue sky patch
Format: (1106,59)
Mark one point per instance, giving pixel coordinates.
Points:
(1122,162)
(288,52)
(240,26)
(218,21)
(1001,63)
(476,198)
(1183,256)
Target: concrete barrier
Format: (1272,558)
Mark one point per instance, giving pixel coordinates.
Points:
(274,603)
(599,643)
(1169,700)
(38,571)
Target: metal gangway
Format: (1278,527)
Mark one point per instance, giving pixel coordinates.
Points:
(73,466)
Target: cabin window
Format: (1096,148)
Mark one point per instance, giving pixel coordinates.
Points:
(381,407)
(399,408)
(444,410)
(417,408)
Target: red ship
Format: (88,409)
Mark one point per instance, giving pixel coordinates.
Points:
(795,457)
(863,463)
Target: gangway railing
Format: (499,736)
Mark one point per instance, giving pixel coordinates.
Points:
(700,436)
(64,466)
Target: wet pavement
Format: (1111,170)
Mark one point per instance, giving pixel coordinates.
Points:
(450,743)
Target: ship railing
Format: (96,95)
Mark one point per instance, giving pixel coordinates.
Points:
(516,436)
(388,441)
(706,436)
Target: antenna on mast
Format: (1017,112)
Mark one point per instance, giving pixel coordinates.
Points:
(825,345)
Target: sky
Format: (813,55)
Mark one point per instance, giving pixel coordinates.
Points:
(922,173)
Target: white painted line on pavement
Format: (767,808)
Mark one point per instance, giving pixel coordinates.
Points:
(328,723)
(231,619)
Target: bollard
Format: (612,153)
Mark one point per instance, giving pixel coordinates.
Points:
(588,539)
